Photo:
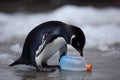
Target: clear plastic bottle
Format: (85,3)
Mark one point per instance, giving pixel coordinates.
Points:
(73,63)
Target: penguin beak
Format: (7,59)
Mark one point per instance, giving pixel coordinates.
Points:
(80,50)
(81,53)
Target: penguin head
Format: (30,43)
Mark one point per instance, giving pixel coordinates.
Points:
(78,43)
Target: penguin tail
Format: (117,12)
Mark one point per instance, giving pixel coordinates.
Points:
(17,62)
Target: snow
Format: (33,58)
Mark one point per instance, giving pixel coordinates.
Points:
(101,26)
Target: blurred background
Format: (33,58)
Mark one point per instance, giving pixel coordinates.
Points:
(48,5)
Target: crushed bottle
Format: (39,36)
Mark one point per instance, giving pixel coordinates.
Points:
(74,63)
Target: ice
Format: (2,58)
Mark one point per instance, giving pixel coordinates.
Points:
(101,26)
(113,53)
(102,37)
(7,74)
(5,59)
(16,48)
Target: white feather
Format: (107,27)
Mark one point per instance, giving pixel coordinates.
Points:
(49,50)
(73,36)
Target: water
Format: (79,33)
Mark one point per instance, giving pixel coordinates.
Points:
(102,50)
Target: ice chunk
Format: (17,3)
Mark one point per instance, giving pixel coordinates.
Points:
(5,59)
(16,48)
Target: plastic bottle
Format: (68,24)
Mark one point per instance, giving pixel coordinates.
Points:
(74,63)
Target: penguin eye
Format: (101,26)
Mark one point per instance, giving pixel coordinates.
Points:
(78,43)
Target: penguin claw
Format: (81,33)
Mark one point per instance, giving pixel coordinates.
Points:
(45,69)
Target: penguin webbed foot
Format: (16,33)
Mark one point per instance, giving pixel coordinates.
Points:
(51,66)
(54,66)
(45,69)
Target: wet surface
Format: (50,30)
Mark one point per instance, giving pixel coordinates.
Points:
(105,67)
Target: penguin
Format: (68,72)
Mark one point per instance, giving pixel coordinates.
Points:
(46,39)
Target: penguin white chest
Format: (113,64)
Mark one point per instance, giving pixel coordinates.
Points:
(49,50)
